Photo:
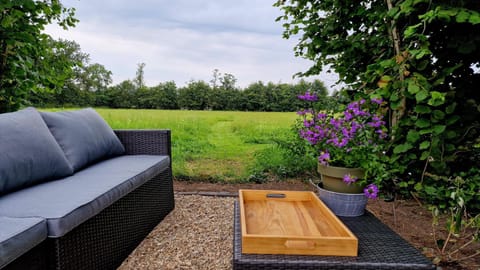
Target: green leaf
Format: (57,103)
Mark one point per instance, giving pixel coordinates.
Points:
(439,129)
(413,87)
(474,18)
(394,97)
(430,190)
(425,131)
(437,114)
(450,147)
(411,30)
(425,155)
(384,80)
(413,136)
(422,123)
(452,119)
(462,16)
(450,134)
(424,145)
(436,99)
(402,148)
(421,96)
(451,108)
(422,109)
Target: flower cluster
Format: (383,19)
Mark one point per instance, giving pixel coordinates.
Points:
(352,138)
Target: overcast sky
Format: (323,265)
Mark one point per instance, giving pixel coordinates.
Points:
(185,40)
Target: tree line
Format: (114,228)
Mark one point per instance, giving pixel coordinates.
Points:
(88,84)
(196,95)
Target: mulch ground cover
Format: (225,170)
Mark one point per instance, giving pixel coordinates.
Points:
(408,217)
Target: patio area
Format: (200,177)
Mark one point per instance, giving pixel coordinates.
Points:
(198,234)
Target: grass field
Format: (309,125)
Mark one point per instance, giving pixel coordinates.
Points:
(212,145)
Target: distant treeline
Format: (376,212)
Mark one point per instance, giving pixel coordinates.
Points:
(196,95)
(80,83)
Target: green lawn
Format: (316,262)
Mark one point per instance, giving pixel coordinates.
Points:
(209,145)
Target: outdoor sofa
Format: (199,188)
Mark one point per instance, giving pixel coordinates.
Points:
(74,194)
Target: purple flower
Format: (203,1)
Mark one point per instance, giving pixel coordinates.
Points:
(308,123)
(381,133)
(344,138)
(371,191)
(348,116)
(347,178)
(377,100)
(304,112)
(336,123)
(324,157)
(322,116)
(376,121)
(308,96)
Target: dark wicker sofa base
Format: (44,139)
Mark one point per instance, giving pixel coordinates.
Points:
(105,240)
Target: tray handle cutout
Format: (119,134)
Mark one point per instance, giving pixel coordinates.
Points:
(276,195)
(299,244)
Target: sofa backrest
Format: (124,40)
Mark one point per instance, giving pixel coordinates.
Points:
(29,154)
(83,135)
(41,146)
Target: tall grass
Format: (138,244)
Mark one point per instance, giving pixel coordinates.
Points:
(214,145)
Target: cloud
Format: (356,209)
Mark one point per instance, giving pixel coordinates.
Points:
(183,40)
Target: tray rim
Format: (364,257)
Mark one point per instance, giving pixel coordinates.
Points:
(311,197)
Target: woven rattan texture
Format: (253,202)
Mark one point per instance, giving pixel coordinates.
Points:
(105,240)
(145,142)
(379,248)
(34,259)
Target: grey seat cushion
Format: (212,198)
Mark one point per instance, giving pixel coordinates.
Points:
(19,235)
(29,153)
(68,202)
(83,135)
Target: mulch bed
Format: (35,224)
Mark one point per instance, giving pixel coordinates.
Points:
(198,233)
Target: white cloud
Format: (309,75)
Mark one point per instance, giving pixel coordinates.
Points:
(183,40)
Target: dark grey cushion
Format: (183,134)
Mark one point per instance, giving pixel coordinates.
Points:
(83,135)
(68,202)
(29,153)
(19,235)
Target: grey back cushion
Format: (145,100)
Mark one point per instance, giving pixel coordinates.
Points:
(83,135)
(29,153)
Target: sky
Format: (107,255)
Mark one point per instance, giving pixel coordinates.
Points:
(184,40)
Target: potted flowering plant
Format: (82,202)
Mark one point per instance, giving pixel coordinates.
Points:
(349,142)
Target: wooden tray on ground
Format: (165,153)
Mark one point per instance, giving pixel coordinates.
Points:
(292,222)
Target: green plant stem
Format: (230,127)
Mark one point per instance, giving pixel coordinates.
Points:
(398,113)
(424,169)
(448,238)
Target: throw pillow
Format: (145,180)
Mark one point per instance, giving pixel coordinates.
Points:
(29,153)
(83,135)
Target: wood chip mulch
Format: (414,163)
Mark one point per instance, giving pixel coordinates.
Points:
(197,234)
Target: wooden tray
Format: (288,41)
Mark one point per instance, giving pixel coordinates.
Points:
(292,222)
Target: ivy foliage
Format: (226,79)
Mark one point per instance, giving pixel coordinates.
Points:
(23,47)
(422,57)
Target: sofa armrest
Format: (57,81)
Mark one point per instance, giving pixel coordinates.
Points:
(146,142)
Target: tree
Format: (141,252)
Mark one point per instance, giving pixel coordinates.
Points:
(80,78)
(417,55)
(122,95)
(23,45)
(194,96)
(139,76)
(422,58)
(223,95)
